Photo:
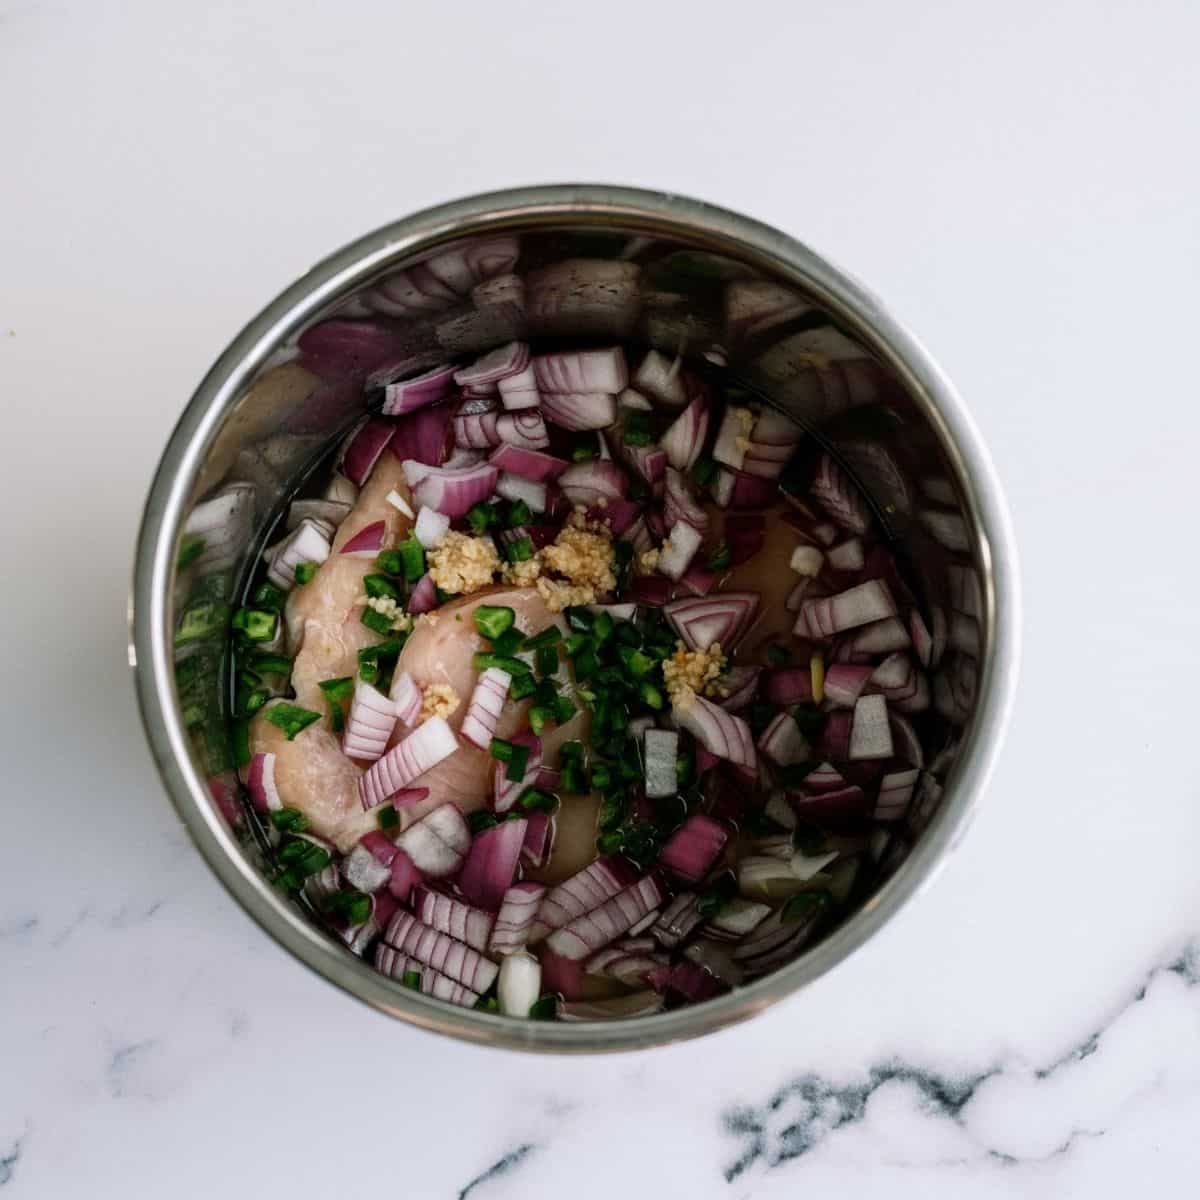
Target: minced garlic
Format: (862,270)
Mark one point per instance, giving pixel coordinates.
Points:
(583,554)
(696,671)
(648,560)
(387,607)
(745,418)
(523,574)
(439,700)
(463,564)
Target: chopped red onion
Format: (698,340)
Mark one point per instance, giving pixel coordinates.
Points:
(498,364)
(514,488)
(540,827)
(679,549)
(363,871)
(451,916)
(861,605)
(519,984)
(519,391)
(703,621)
(677,921)
(824,778)
(895,794)
(308,542)
(737,489)
(476,428)
(405,876)
(947,526)
(661,751)
(880,637)
(421,390)
(807,561)
(338,348)
(561,975)
(582,892)
(441,952)
(367,542)
(844,683)
(505,790)
(364,447)
(260,783)
(579,411)
(848,556)
(492,863)
(487,703)
(524,429)
(370,724)
(680,505)
(451,490)
(592,930)
(438,842)
(870,734)
(421,436)
(657,376)
(588,482)
(431,528)
(740,685)
(692,849)
(529,464)
(697,580)
(721,732)
(582,371)
(407,761)
(738,918)
(783,743)
(515,918)
(922,639)
(424,596)
(788,685)
(834,740)
(683,441)
(395,965)
(635,400)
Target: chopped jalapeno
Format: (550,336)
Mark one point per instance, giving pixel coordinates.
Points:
(291,718)
(256,624)
(305,572)
(492,620)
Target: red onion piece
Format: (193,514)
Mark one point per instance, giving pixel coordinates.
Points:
(677,921)
(504,361)
(737,489)
(421,390)
(870,734)
(515,918)
(618,515)
(514,488)
(679,549)
(836,493)
(438,842)
(848,556)
(421,436)
(834,740)
(783,743)
(861,605)
(492,863)
(845,808)
(539,829)
(895,794)
(381,846)
(721,732)
(476,430)
(920,698)
(308,542)
(692,849)
(684,439)
(844,683)
(364,447)
(922,639)
(660,378)
(505,790)
(441,952)
(405,877)
(592,930)
(652,590)
(363,871)
(519,985)
(582,892)
(588,482)
(407,761)
(579,411)
(824,778)
(529,464)
(703,621)
(520,391)
(693,984)
(788,685)
(367,542)
(880,637)
(582,371)
(661,748)
(431,528)
(697,580)
(260,784)
(395,965)
(451,490)
(680,505)
(424,596)
(451,916)
(561,975)
(487,703)
(740,685)
(525,429)
(370,724)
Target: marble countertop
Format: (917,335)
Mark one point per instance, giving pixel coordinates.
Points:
(1019,187)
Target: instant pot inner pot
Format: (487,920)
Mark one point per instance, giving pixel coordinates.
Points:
(566,288)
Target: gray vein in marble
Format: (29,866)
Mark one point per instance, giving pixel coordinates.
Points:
(803,1113)
(124,1060)
(19,927)
(9,1160)
(502,1166)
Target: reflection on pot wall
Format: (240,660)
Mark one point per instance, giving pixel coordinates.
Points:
(694,324)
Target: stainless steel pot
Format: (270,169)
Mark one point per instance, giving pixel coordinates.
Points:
(685,277)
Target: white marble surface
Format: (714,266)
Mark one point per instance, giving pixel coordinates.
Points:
(1022,187)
